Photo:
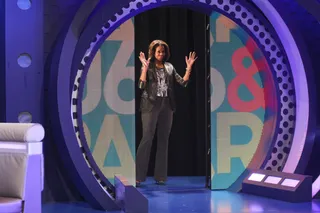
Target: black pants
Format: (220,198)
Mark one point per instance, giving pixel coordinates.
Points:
(159,117)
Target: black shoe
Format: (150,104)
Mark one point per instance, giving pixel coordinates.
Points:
(138,183)
(160,182)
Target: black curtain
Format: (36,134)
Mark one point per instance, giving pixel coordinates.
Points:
(184,30)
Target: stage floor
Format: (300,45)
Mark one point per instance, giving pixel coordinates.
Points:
(188,195)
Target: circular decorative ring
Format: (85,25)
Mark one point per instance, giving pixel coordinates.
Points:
(245,18)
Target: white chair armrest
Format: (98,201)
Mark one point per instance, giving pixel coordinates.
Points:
(21,132)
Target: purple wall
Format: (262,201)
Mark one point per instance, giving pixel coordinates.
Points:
(24,84)
(56,14)
(2,62)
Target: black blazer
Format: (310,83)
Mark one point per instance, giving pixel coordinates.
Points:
(149,87)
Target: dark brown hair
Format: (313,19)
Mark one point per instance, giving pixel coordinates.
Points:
(153,46)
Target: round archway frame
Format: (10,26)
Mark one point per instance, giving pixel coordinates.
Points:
(69,77)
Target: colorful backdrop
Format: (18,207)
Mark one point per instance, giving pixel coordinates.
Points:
(237,102)
(109,105)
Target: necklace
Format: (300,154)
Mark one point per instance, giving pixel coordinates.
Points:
(159,66)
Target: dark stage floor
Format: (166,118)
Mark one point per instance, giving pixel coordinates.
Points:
(188,195)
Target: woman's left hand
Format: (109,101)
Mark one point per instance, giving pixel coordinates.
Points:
(192,58)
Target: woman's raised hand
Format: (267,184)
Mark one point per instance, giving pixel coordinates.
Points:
(144,61)
(192,58)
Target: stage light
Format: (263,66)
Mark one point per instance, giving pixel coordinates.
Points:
(256,177)
(279,185)
(290,182)
(273,180)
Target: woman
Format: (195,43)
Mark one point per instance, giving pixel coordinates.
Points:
(157,106)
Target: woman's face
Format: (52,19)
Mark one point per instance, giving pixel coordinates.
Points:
(160,53)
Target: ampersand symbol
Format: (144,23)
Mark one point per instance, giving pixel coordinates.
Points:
(244,76)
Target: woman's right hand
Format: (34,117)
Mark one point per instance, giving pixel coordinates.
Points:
(144,61)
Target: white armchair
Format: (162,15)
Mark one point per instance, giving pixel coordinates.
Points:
(21,167)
